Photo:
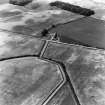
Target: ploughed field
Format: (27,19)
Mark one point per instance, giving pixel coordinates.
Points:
(86,31)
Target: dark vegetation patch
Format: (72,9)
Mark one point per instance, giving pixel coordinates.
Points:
(9,14)
(73,8)
(22,29)
(20,2)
